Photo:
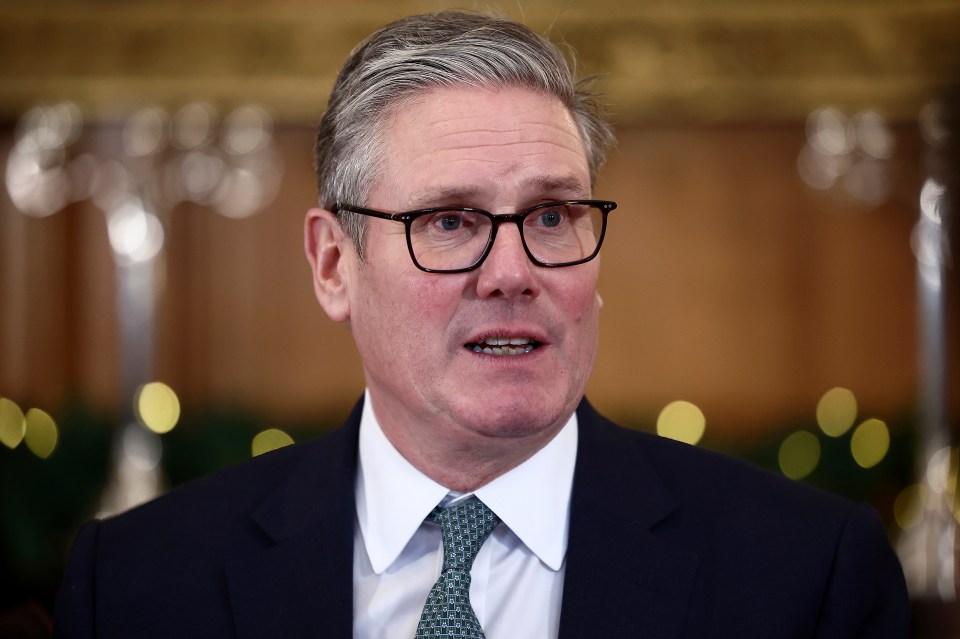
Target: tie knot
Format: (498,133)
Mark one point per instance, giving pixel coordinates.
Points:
(464,527)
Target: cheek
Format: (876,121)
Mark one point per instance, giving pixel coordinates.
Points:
(582,309)
(581,301)
(412,311)
(433,300)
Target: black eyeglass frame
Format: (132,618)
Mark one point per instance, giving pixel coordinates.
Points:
(408,217)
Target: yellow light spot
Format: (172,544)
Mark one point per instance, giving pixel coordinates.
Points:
(42,434)
(799,454)
(870,443)
(836,411)
(12,424)
(908,507)
(157,407)
(682,421)
(270,439)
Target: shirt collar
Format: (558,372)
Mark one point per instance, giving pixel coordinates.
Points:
(393,498)
(533,499)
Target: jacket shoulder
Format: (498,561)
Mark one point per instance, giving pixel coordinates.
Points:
(717,486)
(781,553)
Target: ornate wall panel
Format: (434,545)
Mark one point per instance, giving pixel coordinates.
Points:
(661,60)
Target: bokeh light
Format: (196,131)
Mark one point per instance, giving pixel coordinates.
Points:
(931,123)
(873,135)
(847,158)
(50,126)
(13,426)
(42,434)
(828,131)
(200,173)
(908,507)
(942,470)
(230,166)
(799,454)
(928,239)
(681,421)
(270,439)
(836,411)
(158,407)
(247,129)
(194,125)
(146,132)
(932,200)
(870,443)
(38,177)
(136,235)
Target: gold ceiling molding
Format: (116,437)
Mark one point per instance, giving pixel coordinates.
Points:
(660,60)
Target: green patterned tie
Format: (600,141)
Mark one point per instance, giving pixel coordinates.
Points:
(448,612)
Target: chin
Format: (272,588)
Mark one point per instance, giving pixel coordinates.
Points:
(519,416)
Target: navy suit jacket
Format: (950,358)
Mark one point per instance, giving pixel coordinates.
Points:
(666,541)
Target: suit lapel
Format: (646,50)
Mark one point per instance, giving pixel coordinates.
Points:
(625,575)
(299,585)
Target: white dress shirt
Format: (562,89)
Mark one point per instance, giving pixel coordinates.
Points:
(517,577)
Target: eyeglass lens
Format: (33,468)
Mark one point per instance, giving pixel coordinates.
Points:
(555,234)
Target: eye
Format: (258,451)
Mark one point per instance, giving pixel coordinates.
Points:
(550,217)
(450,222)
(446,223)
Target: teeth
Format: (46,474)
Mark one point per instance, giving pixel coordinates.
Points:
(504,346)
(506,341)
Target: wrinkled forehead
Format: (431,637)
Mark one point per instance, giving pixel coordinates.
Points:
(503,134)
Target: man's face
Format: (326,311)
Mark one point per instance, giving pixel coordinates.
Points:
(502,151)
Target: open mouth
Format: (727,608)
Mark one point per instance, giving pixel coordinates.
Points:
(503,346)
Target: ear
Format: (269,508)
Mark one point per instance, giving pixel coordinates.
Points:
(332,260)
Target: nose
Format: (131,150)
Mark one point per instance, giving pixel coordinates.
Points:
(508,272)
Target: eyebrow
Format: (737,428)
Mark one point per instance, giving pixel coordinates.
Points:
(568,184)
(565,187)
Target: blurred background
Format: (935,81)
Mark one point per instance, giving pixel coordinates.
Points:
(778,280)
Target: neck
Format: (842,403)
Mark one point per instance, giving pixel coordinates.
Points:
(463,459)
(464,475)
(465,467)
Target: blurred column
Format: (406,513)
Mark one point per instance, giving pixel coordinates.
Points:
(928,549)
(229,166)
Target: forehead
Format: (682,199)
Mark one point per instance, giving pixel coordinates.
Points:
(481,141)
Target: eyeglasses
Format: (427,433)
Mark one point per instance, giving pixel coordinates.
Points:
(457,239)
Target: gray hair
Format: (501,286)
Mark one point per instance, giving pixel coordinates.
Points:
(445,49)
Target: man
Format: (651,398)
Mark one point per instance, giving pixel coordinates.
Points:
(474,492)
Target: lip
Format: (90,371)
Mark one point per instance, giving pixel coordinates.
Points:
(533,341)
(534,334)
